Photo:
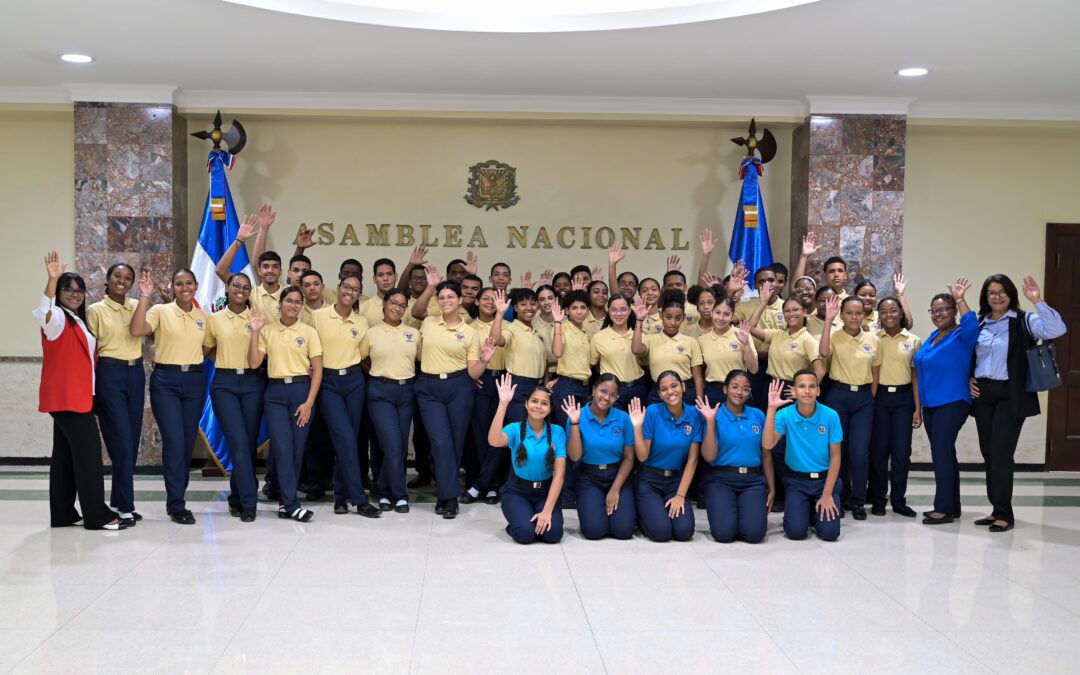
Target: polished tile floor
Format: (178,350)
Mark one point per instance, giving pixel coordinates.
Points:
(415,593)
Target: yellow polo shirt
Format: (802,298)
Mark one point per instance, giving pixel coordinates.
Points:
(306,313)
(178,335)
(372,310)
(872,321)
(525,353)
(267,303)
(230,334)
(897,356)
(591,325)
(790,353)
(853,357)
(771,319)
(445,349)
(815,325)
(483,331)
(722,353)
(679,353)
(110,322)
(342,340)
(289,349)
(612,351)
(575,361)
(653,324)
(546,331)
(393,350)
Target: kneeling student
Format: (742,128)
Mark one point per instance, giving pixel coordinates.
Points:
(813,457)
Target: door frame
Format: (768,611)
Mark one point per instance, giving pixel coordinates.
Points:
(1056,406)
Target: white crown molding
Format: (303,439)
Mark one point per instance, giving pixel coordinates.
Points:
(858,105)
(30,95)
(995,111)
(122,93)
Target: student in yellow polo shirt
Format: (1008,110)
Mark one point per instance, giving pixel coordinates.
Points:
(611,351)
(178,384)
(492,464)
(725,348)
(597,294)
(236,392)
(671,350)
(311,285)
(522,347)
(120,394)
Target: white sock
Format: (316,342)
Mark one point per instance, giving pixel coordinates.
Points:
(401,502)
(473,492)
(492,493)
(384,500)
(126,515)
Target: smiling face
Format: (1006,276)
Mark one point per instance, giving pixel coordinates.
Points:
(270,271)
(526,309)
(184,287)
(598,295)
(486,303)
(290,305)
(417,281)
(349,291)
(889,314)
(449,302)
(500,277)
(561,285)
(619,311)
(781,282)
(394,305)
(604,395)
(538,405)
(737,390)
(805,389)
(804,290)
(627,284)
(545,298)
(671,390)
(239,290)
(650,292)
(868,294)
(120,281)
(943,313)
(794,314)
(71,295)
(722,316)
(998,298)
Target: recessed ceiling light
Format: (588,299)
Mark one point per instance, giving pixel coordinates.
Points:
(912,72)
(76,58)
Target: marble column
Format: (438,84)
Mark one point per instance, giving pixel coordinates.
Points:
(131,203)
(848,188)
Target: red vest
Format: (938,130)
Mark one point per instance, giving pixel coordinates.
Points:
(67,372)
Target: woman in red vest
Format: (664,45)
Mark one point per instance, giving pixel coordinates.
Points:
(67,394)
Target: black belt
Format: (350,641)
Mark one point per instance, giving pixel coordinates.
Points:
(813,475)
(496,373)
(634,383)
(119,362)
(535,485)
(342,372)
(667,473)
(295,379)
(390,380)
(185,368)
(851,387)
(527,380)
(738,469)
(894,388)
(584,383)
(597,467)
(241,371)
(445,376)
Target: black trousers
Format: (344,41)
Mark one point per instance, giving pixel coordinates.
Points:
(76,469)
(999,432)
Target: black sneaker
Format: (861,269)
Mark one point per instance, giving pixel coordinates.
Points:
(247,515)
(858,513)
(234,511)
(340,508)
(904,510)
(368,511)
(880,510)
(183,517)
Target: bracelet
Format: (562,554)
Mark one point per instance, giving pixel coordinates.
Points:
(557,323)
(679,495)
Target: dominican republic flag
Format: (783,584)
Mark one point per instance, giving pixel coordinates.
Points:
(217,232)
(750,237)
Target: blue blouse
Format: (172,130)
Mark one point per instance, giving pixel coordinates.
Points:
(945,368)
(671,438)
(738,437)
(604,442)
(536,449)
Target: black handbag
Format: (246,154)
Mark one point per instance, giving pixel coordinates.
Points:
(1042,367)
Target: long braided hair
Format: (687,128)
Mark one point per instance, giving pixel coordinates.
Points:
(521,457)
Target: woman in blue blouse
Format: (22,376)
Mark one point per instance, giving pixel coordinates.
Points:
(1001,400)
(601,438)
(943,366)
(667,440)
(530,499)
(738,487)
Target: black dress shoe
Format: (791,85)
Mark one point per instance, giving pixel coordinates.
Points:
(368,511)
(440,507)
(858,513)
(467,498)
(777,507)
(419,482)
(247,515)
(1001,528)
(877,510)
(927,513)
(492,498)
(929,520)
(136,515)
(451,509)
(699,502)
(385,505)
(184,517)
(904,510)
(127,522)
(340,508)
(234,511)
(985,522)
(401,508)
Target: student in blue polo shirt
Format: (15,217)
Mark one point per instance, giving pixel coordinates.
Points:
(813,457)
(738,485)
(530,498)
(601,438)
(667,439)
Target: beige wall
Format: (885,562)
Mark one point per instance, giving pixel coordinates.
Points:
(37,211)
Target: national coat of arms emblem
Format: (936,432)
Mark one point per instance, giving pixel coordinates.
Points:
(492,185)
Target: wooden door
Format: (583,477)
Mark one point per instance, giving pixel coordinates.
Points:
(1063,294)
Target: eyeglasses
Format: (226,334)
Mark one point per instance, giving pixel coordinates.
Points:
(606,394)
(346,288)
(941,311)
(290,301)
(997,294)
(396,305)
(74,291)
(238,287)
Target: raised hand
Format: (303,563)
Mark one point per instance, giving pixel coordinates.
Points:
(832,308)
(248,227)
(1031,290)
(506,388)
(743,334)
(433,276)
(546,276)
(740,270)
(674,264)
(557,312)
(711,279)
(502,303)
(958,288)
(636,412)
(527,280)
(765,292)
(641,310)
(470,262)
(707,411)
(577,285)
(810,245)
(572,408)
(615,254)
(487,353)
(708,242)
(266,216)
(899,283)
(419,256)
(257,320)
(53,266)
(146,285)
(305,238)
(776,394)
(597,273)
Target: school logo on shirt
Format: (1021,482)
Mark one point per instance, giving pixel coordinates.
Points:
(200,324)
(793,346)
(408,336)
(248,327)
(734,346)
(299,342)
(617,431)
(906,346)
(821,430)
(867,348)
(780,318)
(756,429)
(681,349)
(355,333)
(690,318)
(688,429)
(460,337)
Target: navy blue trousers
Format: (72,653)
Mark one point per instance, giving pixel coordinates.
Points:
(520,503)
(564,389)
(341,405)
(714,391)
(516,411)
(494,462)
(736,505)
(759,385)
(286,438)
(238,406)
(390,405)
(890,452)
(651,492)
(856,411)
(943,424)
(446,407)
(592,489)
(628,393)
(800,511)
(176,399)
(119,401)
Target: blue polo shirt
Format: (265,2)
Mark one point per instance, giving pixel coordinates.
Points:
(809,438)
(536,448)
(738,437)
(671,438)
(945,368)
(604,442)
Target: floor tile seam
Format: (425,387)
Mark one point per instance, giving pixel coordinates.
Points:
(32,651)
(970,653)
(420,599)
(585,612)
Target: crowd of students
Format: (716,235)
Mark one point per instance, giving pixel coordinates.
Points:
(629,399)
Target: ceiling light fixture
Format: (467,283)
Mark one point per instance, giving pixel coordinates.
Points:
(912,72)
(76,58)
